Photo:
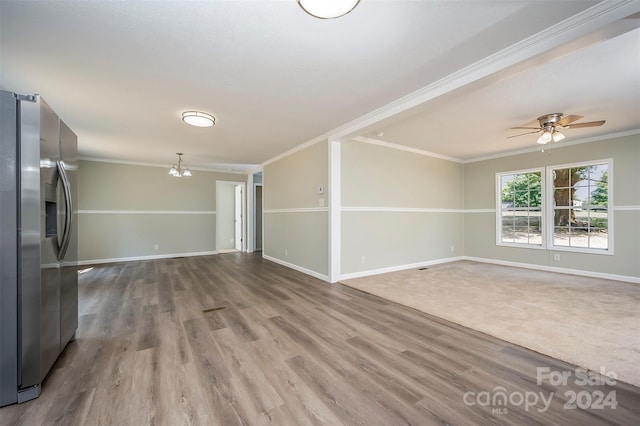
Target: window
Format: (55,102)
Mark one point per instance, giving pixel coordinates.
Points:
(580,212)
(520,207)
(573,199)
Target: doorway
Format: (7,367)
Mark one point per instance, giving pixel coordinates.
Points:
(255,242)
(230,226)
(258,216)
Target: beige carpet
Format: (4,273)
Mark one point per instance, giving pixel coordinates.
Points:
(589,322)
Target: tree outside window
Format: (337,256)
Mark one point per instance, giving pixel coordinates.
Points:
(580,210)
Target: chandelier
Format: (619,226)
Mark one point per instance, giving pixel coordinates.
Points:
(180,170)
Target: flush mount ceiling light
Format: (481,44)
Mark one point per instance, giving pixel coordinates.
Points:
(198,119)
(179,170)
(328,9)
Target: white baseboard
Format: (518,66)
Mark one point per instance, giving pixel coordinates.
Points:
(398,268)
(568,271)
(297,268)
(135,258)
(625,278)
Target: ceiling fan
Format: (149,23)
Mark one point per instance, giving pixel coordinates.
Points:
(551,124)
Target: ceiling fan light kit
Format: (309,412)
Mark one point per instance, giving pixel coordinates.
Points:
(557,136)
(545,138)
(551,124)
(328,9)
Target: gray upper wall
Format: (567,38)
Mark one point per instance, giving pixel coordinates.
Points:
(379,176)
(112,186)
(479,177)
(292,182)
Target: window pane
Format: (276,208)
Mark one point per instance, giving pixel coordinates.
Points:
(599,191)
(508,217)
(521,199)
(562,217)
(520,207)
(598,238)
(580,177)
(562,197)
(580,217)
(579,237)
(535,221)
(561,178)
(581,196)
(507,234)
(598,219)
(521,235)
(598,172)
(561,236)
(535,235)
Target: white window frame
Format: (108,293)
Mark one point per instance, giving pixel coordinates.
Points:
(547,208)
(543,227)
(549,212)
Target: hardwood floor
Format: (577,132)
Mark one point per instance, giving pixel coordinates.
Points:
(235,339)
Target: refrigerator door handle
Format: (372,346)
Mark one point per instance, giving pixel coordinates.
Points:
(68,207)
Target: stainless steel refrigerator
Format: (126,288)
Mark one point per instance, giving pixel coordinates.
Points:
(38,243)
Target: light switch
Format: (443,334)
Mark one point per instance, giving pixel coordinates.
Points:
(321,190)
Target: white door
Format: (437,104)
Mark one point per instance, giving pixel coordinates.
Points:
(230,207)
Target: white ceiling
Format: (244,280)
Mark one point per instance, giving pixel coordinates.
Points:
(449,77)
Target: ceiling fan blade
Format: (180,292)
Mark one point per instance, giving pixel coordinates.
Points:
(522,134)
(568,119)
(532,128)
(587,124)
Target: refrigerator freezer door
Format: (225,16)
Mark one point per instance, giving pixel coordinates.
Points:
(49,243)
(69,272)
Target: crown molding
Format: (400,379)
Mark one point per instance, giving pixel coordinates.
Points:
(391,145)
(579,25)
(164,166)
(554,146)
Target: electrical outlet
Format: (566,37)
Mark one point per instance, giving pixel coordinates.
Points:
(452,249)
(556,257)
(286,252)
(156,247)
(363,260)
(321,202)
